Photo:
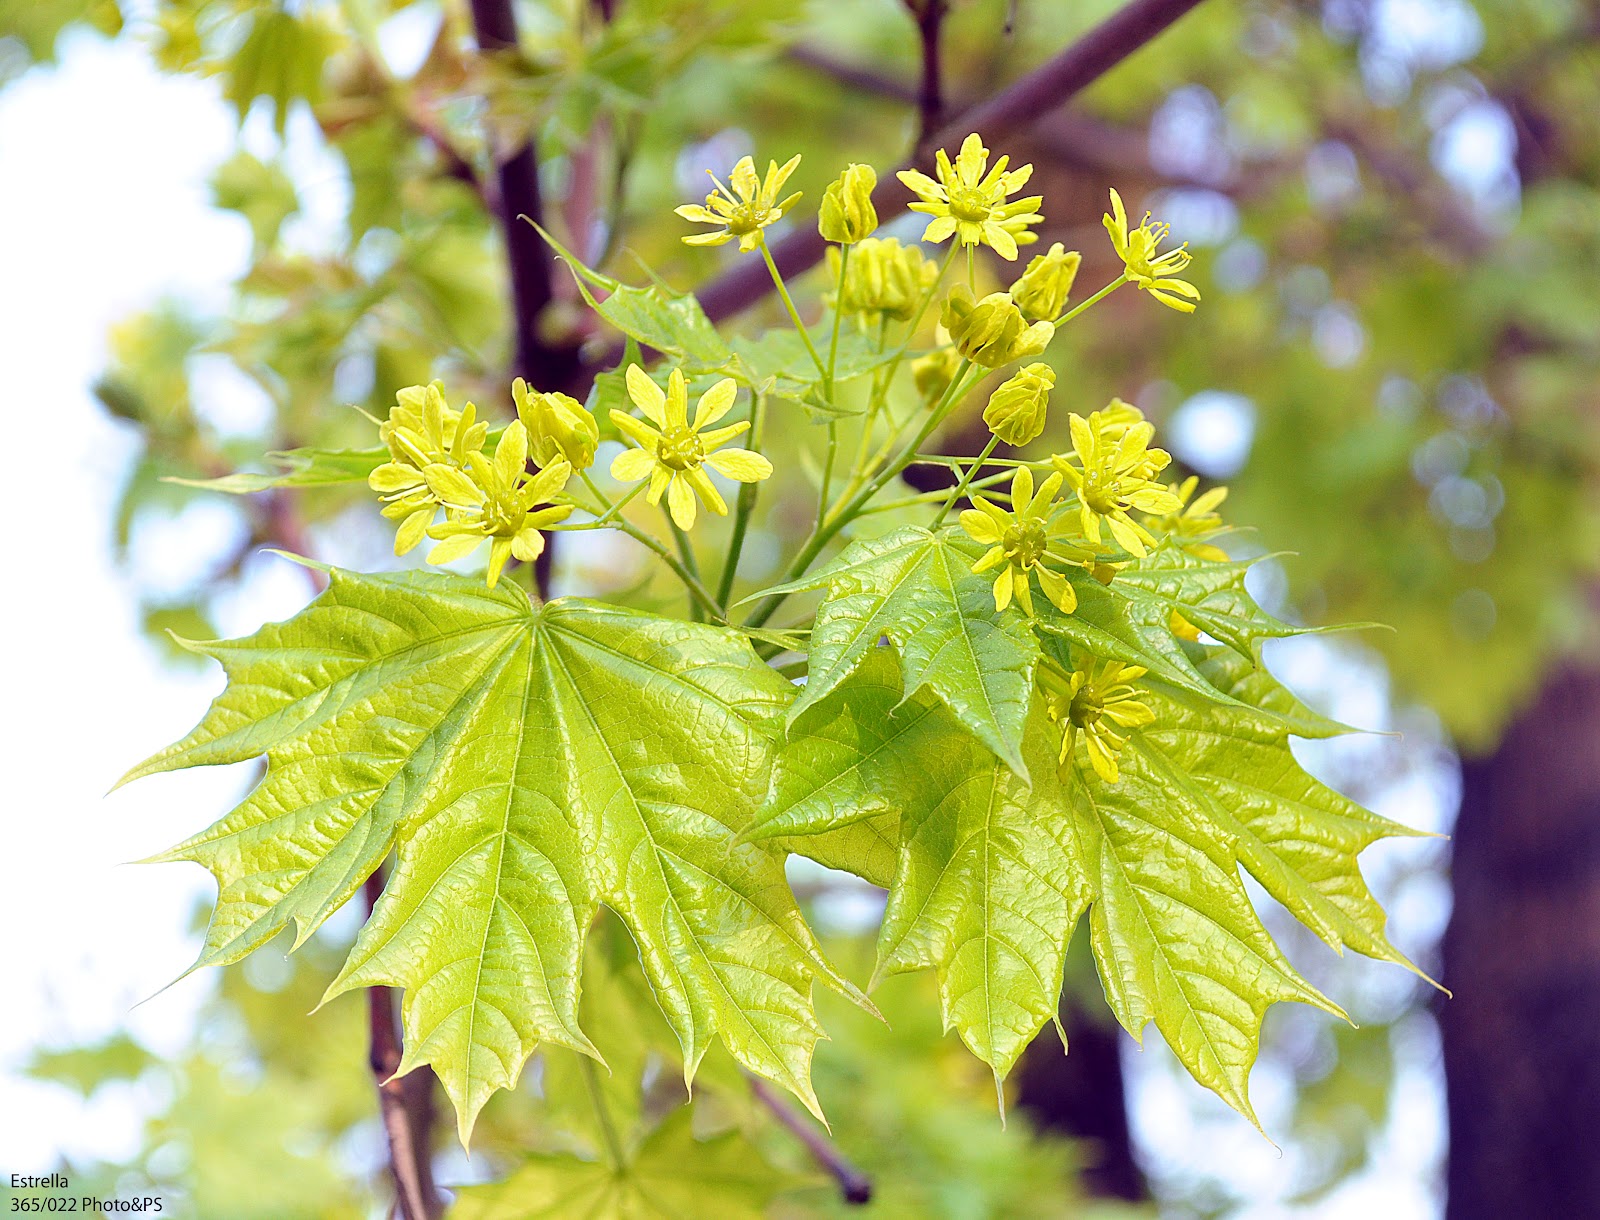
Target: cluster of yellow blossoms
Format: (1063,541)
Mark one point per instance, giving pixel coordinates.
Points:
(1100,506)
(437,463)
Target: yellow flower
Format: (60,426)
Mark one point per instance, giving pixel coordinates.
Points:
(1016,410)
(1041,291)
(992,332)
(970,204)
(675,452)
(745,210)
(495,500)
(1097,699)
(847,214)
(1151,271)
(421,430)
(1113,477)
(558,426)
(1023,539)
(1191,522)
(883,277)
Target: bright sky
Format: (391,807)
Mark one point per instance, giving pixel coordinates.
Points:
(106,209)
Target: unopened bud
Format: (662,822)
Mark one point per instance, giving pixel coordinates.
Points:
(558,426)
(1041,291)
(847,214)
(1016,411)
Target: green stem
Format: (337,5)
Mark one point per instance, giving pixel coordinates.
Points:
(743,507)
(788,303)
(690,563)
(691,582)
(933,497)
(823,534)
(838,299)
(1104,292)
(602,1113)
(966,481)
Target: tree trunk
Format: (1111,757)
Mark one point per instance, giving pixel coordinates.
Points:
(1081,1095)
(1522,955)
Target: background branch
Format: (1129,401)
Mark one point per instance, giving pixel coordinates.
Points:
(405,1103)
(930,16)
(541,364)
(854,1186)
(1019,106)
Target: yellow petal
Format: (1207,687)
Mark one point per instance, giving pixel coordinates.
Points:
(499,552)
(458,546)
(680,503)
(646,394)
(740,464)
(979,526)
(632,465)
(701,483)
(715,403)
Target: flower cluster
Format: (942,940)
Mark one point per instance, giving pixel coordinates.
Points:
(437,463)
(1098,507)
(883,279)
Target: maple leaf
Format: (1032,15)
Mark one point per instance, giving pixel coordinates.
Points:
(917,589)
(992,874)
(526,765)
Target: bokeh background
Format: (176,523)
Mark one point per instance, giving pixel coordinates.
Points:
(225,222)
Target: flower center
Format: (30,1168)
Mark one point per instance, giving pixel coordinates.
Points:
(1025,543)
(680,449)
(969,203)
(746,218)
(1086,708)
(1100,491)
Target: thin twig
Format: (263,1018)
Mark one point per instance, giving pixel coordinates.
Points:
(1013,109)
(854,1186)
(405,1103)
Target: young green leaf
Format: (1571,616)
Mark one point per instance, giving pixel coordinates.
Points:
(917,589)
(991,874)
(525,765)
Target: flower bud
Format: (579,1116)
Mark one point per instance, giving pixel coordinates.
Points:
(992,332)
(1041,291)
(934,372)
(558,426)
(1017,409)
(847,213)
(883,278)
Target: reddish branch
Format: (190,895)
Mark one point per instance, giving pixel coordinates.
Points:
(854,1186)
(1030,98)
(930,16)
(405,1103)
(548,366)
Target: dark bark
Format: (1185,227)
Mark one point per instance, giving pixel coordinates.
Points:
(545,365)
(1522,955)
